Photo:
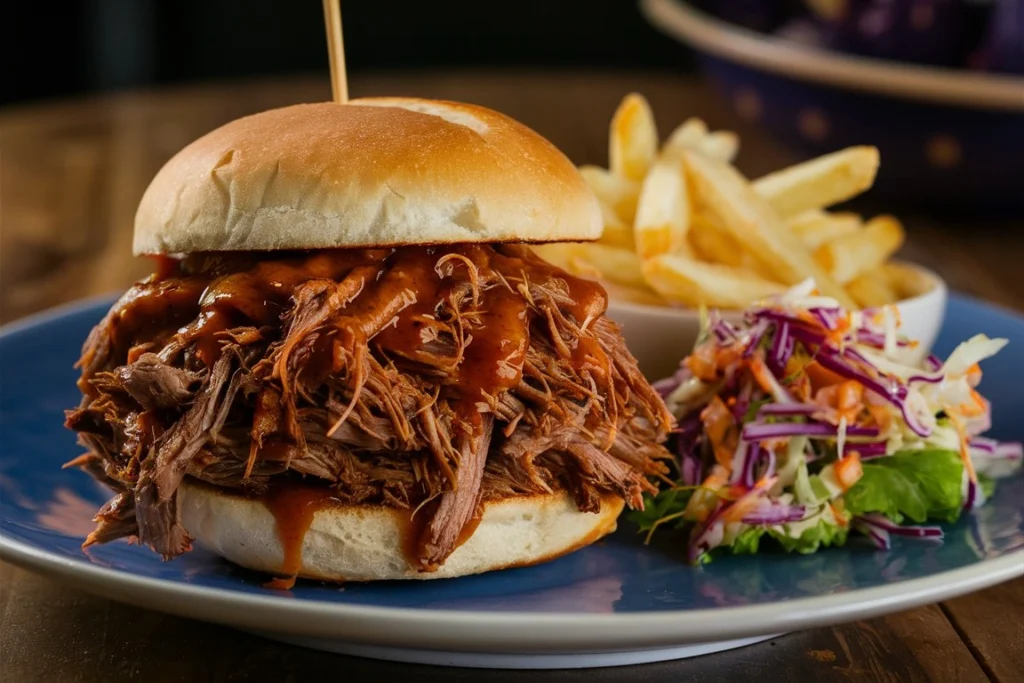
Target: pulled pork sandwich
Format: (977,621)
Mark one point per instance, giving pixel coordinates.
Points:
(348,366)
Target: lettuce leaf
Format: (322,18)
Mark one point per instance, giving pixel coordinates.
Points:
(748,541)
(822,535)
(667,502)
(918,485)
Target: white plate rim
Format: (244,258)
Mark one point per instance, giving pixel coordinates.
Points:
(510,631)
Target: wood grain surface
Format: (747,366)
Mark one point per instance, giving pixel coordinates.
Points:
(71,175)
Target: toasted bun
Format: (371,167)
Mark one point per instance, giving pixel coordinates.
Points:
(373,172)
(364,543)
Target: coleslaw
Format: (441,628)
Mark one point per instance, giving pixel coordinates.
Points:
(805,424)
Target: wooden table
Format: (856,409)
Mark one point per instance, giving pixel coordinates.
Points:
(71,175)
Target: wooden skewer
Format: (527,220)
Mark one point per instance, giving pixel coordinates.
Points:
(336,50)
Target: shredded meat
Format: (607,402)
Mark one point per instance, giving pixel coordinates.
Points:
(422,378)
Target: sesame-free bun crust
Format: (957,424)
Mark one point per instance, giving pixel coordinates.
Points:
(373,172)
(365,543)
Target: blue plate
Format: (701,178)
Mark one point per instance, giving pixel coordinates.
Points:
(615,596)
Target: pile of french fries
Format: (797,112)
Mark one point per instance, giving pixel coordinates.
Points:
(683,227)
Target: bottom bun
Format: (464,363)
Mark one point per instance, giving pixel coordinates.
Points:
(366,543)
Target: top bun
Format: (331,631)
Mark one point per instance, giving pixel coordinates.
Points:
(373,172)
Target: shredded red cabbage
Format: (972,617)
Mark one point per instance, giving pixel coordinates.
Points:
(756,334)
(756,431)
(723,330)
(775,513)
(787,409)
(867,451)
(769,463)
(828,317)
(669,384)
(782,349)
(690,470)
(971,492)
(879,537)
(832,362)
(739,409)
(1011,450)
(910,530)
(751,456)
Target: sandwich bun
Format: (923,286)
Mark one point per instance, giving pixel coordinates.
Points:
(373,172)
(365,543)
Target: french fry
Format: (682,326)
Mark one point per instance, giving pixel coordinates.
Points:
(727,197)
(618,193)
(617,265)
(905,281)
(633,139)
(815,227)
(819,182)
(865,250)
(557,253)
(695,283)
(713,243)
(682,225)
(663,212)
(617,232)
(688,135)
(871,290)
(586,258)
(634,295)
(722,145)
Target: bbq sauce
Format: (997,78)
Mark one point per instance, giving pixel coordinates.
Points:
(412,526)
(396,298)
(294,506)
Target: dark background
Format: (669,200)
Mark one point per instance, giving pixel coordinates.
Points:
(56,49)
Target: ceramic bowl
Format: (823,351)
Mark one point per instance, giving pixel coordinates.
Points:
(947,136)
(660,337)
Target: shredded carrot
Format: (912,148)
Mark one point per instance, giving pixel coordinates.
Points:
(748,500)
(848,470)
(850,400)
(821,376)
(974,375)
(808,318)
(975,407)
(704,499)
(728,356)
(761,374)
(702,364)
(892,308)
(826,396)
(720,428)
(838,513)
(882,416)
(800,389)
(740,508)
(842,327)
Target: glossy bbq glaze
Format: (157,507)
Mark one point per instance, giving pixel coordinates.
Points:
(294,506)
(221,291)
(463,319)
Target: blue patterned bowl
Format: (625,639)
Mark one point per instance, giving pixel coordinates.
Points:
(949,137)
